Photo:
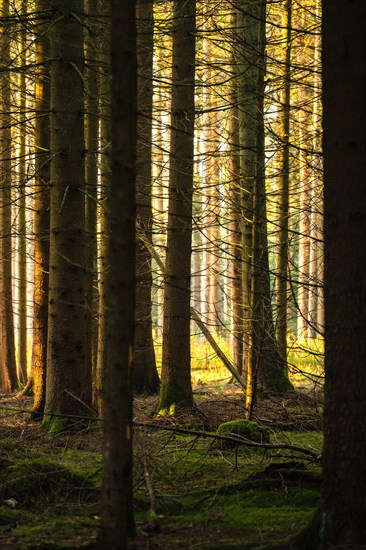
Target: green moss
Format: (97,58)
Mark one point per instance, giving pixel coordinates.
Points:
(33,481)
(242,428)
(173,398)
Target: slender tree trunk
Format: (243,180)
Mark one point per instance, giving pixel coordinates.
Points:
(105,185)
(8,377)
(176,389)
(41,223)
(146,377)
(283,195)
(117,515)
(265,365)
(91,177)
(22,222)
(68,374)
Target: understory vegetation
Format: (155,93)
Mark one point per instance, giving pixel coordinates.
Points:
(191,489)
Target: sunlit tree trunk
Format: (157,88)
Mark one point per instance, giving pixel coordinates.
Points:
(236,243)
(266,368)
(146,377)
(68,388)
(316,314)
(21,203)
(105,183)
(283,195)
(117,515)
(91,177)
(41,223)
(247,61)
(8,377)
(176,389)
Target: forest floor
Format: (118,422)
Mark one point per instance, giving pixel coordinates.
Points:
(190,490)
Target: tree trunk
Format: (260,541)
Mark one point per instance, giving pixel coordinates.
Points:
(344,475)
(176,389)
(283,195)
(22,209)
(68,374)
(8,376)
(91,178)
(105,185)
(146,379)
(117,514)
(265,365)
(41,223)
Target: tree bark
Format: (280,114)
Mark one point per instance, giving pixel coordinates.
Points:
(120,281)
(8,375)
(146,378)
(68,389)
(41,223)
(176,389)
(344,79)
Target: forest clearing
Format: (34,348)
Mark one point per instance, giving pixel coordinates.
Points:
(190,491)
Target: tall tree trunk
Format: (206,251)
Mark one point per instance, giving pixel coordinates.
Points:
(176,389)
(91,177)
(265,365)
(247,60)
(8,376)
(68,374)
(117,515)
(283,195)
(341,521)
(146,377)
(343,497)
(22,222)
(105,185)
(41,223)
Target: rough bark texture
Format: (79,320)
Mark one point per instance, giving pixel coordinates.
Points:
(8,376)
(266,368)
(117,515)
(91,177)
(41,223)
(146,379)
(283,195)
(344,480)
(105,186)
(68,374)
(176,390)
(22,223)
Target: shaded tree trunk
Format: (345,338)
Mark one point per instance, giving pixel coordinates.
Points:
(146,377)
(68,388)
(344,468)
(176,389)
(117,515)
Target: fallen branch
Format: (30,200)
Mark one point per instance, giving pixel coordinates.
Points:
(233,439)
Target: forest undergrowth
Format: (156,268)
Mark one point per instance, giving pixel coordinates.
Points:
(192,490)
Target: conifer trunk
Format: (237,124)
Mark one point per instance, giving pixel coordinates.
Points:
(176,389)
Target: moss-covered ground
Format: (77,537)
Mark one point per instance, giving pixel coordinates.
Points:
(198,494)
